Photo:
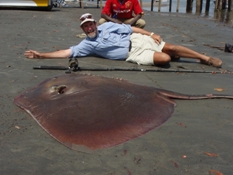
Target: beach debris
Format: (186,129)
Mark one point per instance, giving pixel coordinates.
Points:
(215,172)
(219,89)
(211,154)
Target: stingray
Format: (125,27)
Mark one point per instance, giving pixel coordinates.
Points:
(86,112)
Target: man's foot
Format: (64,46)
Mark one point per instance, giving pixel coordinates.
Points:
(215,62)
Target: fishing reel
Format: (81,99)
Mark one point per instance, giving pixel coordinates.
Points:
(73,65)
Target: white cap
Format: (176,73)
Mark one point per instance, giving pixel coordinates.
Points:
(85,18)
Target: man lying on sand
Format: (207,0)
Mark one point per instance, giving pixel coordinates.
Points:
(124,42)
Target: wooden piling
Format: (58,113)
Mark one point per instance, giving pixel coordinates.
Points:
(177,5)
(207,6)
(199,6)
(216,4)
(219,5)
(189,6)
(230,5)
(159,6)
(140,3)
(170,5)
(152,5)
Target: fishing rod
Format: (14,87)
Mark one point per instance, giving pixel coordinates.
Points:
(126,69)
(74,67)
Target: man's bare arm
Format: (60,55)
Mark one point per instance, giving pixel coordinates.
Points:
(49,55)
(154,36)
(108,18)
(135,19)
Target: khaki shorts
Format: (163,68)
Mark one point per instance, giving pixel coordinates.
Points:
(143,49)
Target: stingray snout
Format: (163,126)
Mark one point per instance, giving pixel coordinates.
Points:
(60,89)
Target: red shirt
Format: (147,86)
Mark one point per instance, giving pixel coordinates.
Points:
(122,10)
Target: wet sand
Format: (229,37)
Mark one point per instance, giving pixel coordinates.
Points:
(196,140)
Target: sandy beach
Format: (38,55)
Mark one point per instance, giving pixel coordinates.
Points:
(196,140)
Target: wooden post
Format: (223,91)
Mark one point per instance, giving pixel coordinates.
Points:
(220,4)
(141,3)
(198,6)
(152,5)
(216,4)
(159,6)
(170,5)
(189,6)
(230,4)
(207,6)
(224,3)
(177,5)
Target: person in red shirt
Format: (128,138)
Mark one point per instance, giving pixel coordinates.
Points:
(123,11)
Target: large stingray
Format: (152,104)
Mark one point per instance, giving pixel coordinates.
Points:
(87,112)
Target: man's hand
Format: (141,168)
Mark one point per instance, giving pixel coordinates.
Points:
(156,38)
(116,21)
(135,19)
(108,18)
(32,54)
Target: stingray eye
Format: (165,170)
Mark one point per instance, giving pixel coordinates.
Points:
(60,89)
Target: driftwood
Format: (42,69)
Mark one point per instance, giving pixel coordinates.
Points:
(226,48)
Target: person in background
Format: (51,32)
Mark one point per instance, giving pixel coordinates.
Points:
(59,3)
(123,11)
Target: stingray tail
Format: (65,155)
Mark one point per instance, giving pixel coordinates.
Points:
(176,95)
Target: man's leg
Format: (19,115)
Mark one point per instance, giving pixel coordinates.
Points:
(161,58)
(177,50)
(101,21)
(144,51)
(140,23)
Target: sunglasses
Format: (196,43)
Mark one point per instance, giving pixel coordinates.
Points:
(85,17)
